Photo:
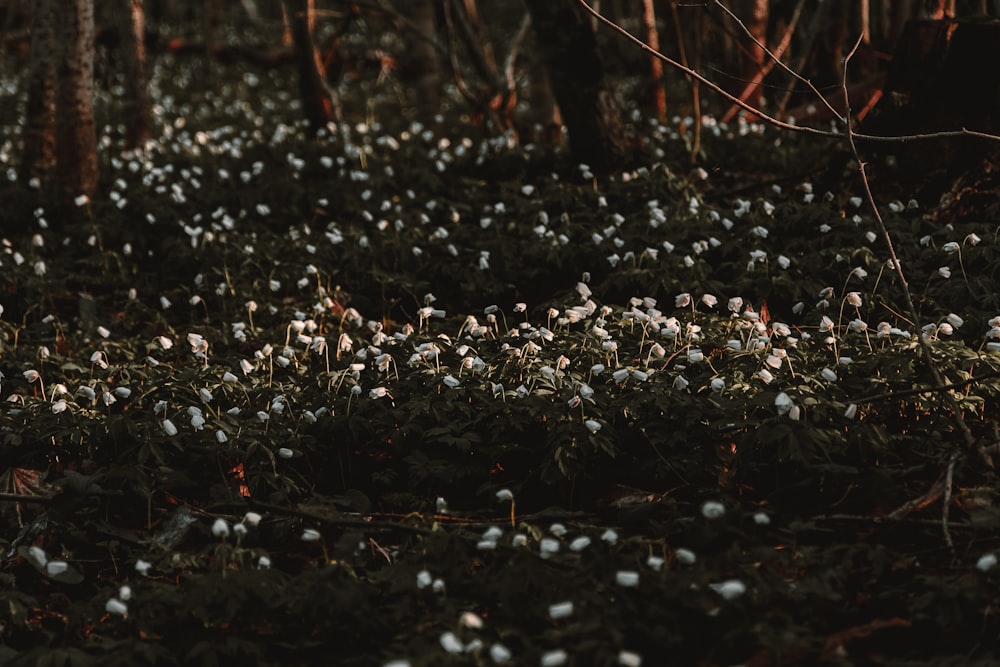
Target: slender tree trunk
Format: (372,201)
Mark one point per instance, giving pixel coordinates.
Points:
(754,14)
(76,138)
(317,100)
(423,60)
(655,64)
(568,47)
(39,152)
(543,120)
(132,27)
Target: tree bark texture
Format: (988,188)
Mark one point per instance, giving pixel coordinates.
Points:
(317,100)
(655,64)
(132,27)
(423,66)
(568,48)
(39,149)
(76,138)
(754,15)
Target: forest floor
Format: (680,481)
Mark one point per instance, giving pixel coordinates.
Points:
(406,394)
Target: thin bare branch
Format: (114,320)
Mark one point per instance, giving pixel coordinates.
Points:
(857,136)
(943,486)
(775,59)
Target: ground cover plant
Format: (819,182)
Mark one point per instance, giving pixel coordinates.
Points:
(405,393)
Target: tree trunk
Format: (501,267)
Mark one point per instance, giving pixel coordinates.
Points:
(317,100)
(131,25)
(938,81)
(39,152)
(422,65)
(754,15)
(568,47)
(76,138)
(655,64)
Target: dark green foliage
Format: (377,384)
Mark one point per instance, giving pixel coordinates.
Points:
(354,423)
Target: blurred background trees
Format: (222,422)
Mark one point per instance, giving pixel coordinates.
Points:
(522,69)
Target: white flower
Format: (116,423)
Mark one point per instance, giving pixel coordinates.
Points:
(828,374)
(554,658)
(627,578)
(944,272)
(973,239)
(116,607)
(56,567)
(629,659)
(682,300)
(729,589)
(592,425)
(451,644)
(580,543)
(951,247)
(309,535)
(220,528)
(38,555)
(252,519)
(560,610)
(851,411)
(470,620)
(504,495)
(493,533)
(761,519)
(609,536)
(548,546)
(423,579)
(500,653)
(709,300)
(168,427)
(713,509)
(783,403)
(986,562)
(685,556)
